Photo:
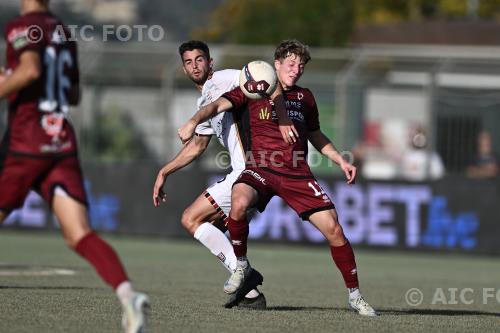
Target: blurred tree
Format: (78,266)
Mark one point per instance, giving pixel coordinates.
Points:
(318,22)
(113,138)
(326,22)
(389,11)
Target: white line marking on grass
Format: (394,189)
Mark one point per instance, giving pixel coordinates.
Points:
(38,272)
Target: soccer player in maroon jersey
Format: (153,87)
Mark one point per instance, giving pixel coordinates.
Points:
(39,150)
(276,168)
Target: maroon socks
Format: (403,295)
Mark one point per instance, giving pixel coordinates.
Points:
(238,230)
(343,256)
(103,258)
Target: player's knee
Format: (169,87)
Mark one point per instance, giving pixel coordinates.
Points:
(189,221)
(335,232)
(239,206)
(71,241)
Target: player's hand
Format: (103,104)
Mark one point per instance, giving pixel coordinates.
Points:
(349,171)
(158,195)
(186,132)
(288,131)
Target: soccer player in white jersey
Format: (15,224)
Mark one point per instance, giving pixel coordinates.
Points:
(204,218)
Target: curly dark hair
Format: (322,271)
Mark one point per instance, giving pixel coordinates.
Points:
(292,46)
(194,45)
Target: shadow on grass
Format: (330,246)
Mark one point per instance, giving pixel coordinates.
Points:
(382,312)
(304,308)
(437,312)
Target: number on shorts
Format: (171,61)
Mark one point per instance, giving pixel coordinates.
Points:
(316,192)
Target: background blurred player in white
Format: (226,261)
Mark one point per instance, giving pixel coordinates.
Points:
(39,149)
(213,204)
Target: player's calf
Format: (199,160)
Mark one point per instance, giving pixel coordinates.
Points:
(190,221)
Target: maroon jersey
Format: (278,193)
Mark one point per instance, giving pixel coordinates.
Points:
(262,140)
(36,123)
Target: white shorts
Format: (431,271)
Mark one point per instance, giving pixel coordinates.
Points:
(219,194)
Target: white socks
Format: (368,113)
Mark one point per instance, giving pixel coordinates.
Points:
(354,293)
(124,292)
(242,262)
(215,240)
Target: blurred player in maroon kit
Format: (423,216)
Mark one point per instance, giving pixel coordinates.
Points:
(276,168)
(39,148)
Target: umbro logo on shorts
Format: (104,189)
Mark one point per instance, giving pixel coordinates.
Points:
(236,242)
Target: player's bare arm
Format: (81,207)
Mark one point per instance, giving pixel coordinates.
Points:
(189,152)
(28,70)
(321,142)
(186,132)
(287,129)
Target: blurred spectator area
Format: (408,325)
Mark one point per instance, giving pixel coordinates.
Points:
(135,96)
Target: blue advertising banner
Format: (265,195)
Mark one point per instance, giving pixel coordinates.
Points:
(453,214)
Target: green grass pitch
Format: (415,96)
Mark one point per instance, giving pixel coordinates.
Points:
(304,290)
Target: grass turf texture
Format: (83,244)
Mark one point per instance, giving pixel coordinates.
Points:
(304,290)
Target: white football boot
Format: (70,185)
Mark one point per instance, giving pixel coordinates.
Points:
(362,307)
(236,279)
(134,313)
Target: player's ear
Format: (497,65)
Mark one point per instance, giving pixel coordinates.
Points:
(210,63)
(277,64)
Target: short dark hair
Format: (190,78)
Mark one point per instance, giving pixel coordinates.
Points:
(194,45)
(292,46)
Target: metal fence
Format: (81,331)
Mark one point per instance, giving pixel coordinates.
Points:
(371,100)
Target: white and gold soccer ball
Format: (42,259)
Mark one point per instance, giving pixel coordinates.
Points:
(258,79)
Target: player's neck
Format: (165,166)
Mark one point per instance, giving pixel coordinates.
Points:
(286,88)
(33,7)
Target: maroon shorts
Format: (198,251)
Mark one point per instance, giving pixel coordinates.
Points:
(302,193)
(19,174)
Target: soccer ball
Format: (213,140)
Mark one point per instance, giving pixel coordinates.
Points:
(258,79)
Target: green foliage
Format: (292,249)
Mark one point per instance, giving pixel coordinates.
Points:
(324,22)
(387,11)
(316,22)
(112,138)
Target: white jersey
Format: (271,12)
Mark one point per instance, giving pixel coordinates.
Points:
(222,125)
